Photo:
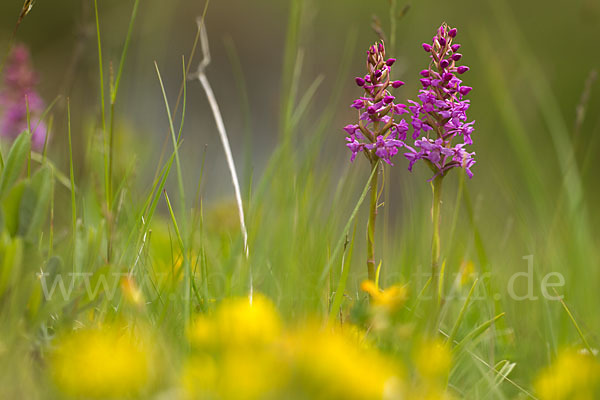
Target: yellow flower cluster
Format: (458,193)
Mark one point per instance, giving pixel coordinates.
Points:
(242,352)
(102,362)
(572,376)
(390,299)
(432,359)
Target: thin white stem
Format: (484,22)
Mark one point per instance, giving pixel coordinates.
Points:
(200,74)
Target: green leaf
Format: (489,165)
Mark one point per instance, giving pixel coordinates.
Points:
(10,207)
(11,252)
(42,184)
(26,209)
(14,162)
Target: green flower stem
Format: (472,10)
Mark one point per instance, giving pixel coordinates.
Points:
(371,224)
(436,187)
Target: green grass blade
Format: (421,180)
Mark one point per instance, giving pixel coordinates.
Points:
(42,182)
(340,242)
(461,314)
(575,324)
(341,288)
(125,49)
(175,142)
(475,333)
(102,105)
(16,159)
(71,173)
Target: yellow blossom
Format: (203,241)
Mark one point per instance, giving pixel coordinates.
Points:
(237,322)
(572,376)
(433,359)
(466,273)
(235,374)
(100,363)
(131,291)
(389,299)
(331,365)
(236,352)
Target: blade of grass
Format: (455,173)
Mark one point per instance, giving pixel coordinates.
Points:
(102,103)
(304,102)
(201,75)
(340,242)
(493,370)
(124,52)
(575,324)
(71,174)
(175,141)
(290,64)
(187,277)
(475,333)
(240,82)
(341,288)
(461,314)
(15,161)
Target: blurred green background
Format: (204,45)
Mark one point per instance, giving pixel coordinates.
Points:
(534,190)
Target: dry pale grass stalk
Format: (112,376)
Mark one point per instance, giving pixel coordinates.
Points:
(201,76)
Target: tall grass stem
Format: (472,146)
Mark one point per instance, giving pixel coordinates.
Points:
(371,224)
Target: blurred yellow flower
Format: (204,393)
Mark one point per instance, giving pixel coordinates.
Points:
(131,292)
(572,376)
(433,359)
(237,322)
(389,299)
(242,352)
(236,374)
(164,253)
(331,365)
(466,273)
(200,375)
(100,363)
(237,352)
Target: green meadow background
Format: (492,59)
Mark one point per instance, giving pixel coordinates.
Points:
(536,102)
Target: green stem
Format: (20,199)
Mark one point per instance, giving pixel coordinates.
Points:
(371,225)
(436,187)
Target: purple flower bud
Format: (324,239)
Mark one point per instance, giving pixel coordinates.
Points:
(441,30)
(388,99)
(426,82)
(400,109)
(397,84)
(448,76)
(455,47)
(444,63)
(424,73)
(359,81)
(390,62)
(426,47)
(371,110)
(367,78)
(462,69)
(442,41)
(380,46)
(456,56)
(351,129)
(452,32)
(358,104)
(464,90)
(378,73)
